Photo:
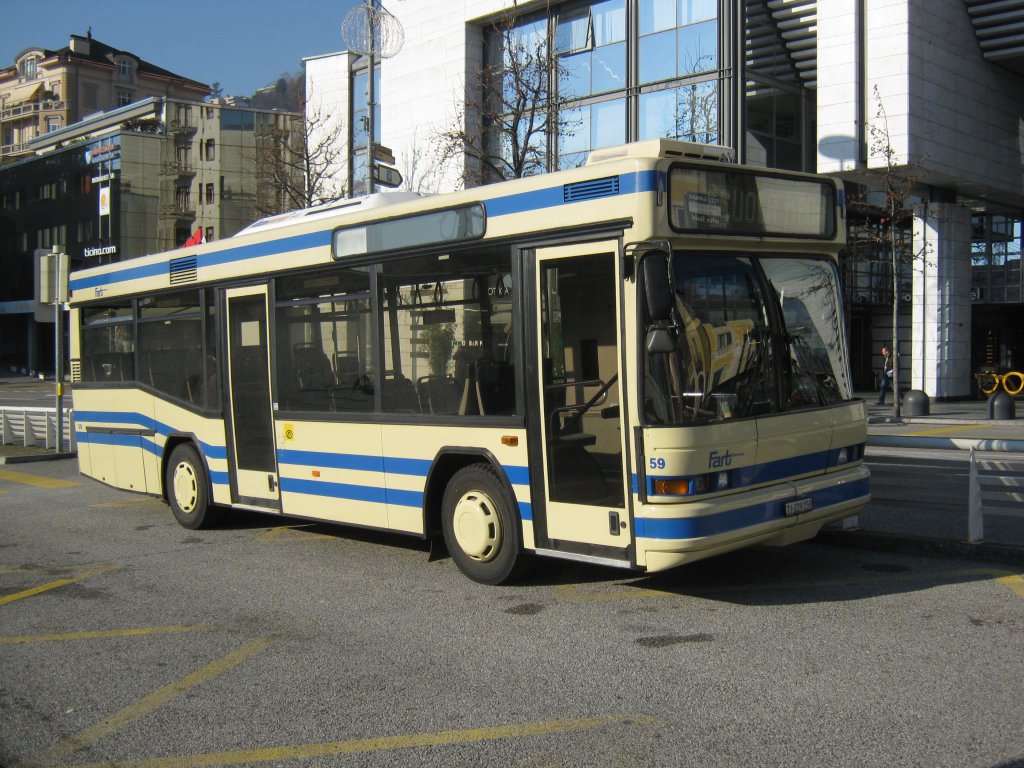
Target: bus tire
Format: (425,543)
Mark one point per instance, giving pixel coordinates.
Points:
(481,529)
(188,491)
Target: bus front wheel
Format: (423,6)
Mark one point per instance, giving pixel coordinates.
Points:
(188,491)
(481,529)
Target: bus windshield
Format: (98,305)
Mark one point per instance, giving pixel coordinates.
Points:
(754,335)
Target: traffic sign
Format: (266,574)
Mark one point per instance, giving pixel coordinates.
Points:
(385,176)
(383,154)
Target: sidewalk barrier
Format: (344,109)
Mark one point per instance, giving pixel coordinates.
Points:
(996,488)
(35,426)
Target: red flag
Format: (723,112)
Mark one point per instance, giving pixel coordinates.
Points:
(196,239)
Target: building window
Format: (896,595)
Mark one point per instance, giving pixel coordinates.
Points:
(28,69)
(211,149)
(996,259)
(209,194)
(124,98)
(182,199)
(124,70)
(609,81)
(52,124)
(209,234)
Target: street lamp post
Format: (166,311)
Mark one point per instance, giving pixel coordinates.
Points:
(59,296)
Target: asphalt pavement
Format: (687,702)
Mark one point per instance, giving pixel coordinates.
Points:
(920,467)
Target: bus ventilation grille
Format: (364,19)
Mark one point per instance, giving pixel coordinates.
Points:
(590,190)
(76,371)
(184,270)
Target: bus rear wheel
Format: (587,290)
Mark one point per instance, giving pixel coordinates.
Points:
(188,491)
(481,529)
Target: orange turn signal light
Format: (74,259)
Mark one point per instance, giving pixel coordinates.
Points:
(676,487)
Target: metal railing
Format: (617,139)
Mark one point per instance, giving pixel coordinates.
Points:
(35,427)
(996,488)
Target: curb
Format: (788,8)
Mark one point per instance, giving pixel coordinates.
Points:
(956,443)
(1005,554)
(36,457)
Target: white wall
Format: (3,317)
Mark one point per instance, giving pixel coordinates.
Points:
(424,85)
(941,316)
(966,113)
(327,100)
(959,118)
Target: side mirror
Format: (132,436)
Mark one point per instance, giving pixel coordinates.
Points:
(657,286)
(660,340)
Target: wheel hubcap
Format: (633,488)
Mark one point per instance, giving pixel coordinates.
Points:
(477,526)
(186,489)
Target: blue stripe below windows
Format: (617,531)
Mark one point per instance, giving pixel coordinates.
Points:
(105,418)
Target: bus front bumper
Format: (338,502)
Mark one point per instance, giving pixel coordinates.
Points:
(668,535)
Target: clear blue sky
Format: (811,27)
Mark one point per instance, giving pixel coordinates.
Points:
(242,44)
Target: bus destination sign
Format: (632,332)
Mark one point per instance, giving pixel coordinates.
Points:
(743,202)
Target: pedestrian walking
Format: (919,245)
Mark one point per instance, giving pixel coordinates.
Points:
(886,377)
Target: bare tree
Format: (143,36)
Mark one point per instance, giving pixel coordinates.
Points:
(301,161)
(897,181)
(502,128)
(419,169)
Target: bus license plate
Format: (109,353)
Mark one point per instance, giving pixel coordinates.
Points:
(799,507)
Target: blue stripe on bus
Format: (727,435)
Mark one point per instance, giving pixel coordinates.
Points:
(226,256)
(394,465)
(352,492)
(331,460)
(525,510)
(629,183)
(743,517)
(145,422)
(771,471)
(334,490)
(550,197)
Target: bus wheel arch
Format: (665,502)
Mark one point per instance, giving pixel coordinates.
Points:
(186,485)
(469,500)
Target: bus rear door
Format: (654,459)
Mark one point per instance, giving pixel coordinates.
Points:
(253,455)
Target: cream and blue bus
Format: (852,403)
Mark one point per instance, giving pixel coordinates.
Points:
(640,363)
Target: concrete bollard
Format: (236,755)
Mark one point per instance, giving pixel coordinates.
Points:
(916,403)
(1001,407)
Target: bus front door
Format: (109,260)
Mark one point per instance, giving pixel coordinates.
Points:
(579,404)
(252,450)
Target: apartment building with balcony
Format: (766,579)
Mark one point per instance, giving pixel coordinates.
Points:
(135,180)
(47,90)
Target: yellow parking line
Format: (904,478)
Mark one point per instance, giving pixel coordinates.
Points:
(382,743)
(37,481)
(89,736)
(1014,582)
(101,633)
(940,430)
(87,574)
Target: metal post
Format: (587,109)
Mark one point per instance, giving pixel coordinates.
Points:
(58,345)
(975,532)
(370,96)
